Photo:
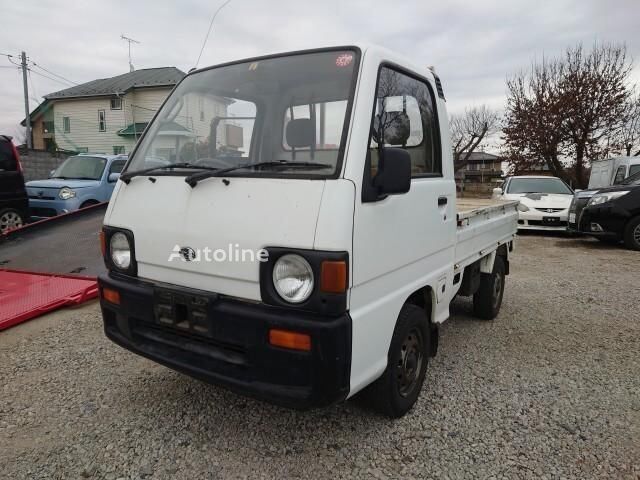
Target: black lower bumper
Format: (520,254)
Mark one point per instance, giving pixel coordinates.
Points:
(224,341)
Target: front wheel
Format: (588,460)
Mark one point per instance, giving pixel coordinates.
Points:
(10,219)
(488,299)
(632,234)
(397,390)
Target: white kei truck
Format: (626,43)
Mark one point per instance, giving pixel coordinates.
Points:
(322,181)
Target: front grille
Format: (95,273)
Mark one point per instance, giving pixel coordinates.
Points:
(150,334)
(43,212)
(36,197)
(550,210)
(540,223)
(577,206)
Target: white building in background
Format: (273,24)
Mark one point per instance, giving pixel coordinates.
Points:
(108,115)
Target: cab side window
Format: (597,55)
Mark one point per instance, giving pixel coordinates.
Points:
(620,175)
(405,117)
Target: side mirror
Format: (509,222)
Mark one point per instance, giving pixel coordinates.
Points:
(113,177)
(51,173)
(394,172)
(497,192)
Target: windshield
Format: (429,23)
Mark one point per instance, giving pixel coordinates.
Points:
(538,185)
(86,168)
(282,109)
(633,169)
(633,179)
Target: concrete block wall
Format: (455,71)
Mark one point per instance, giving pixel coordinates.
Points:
(37,164)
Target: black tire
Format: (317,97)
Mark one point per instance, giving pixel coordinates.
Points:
(397,390)
(488,299)
(632,234)
(10,218)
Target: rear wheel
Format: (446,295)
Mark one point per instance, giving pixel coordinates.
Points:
(488,299)
(397,390)
(632,234)
(10,219)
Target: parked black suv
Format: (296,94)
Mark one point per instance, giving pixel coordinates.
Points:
(613,213)
(14,203)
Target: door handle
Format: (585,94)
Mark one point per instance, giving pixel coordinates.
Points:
(442,201)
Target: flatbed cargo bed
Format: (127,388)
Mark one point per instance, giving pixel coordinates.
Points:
(483,224)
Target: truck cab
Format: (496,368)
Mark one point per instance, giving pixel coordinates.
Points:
(296,238)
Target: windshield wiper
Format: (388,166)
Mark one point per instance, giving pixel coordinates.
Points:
(193,180)
(127,176)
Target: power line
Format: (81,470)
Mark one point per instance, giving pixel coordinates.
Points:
(209,31)
(50,78)
(54,74)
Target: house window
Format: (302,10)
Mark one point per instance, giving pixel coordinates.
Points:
(118,149)
(66,124)
(116,103)
(102,122)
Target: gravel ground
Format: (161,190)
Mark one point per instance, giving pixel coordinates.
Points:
(550,389)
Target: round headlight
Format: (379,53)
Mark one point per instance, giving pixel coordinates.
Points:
(120,250)
(66,193)
(293,278)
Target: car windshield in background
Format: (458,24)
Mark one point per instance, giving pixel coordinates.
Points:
(538,185)
(85,168)
(280,110)
(632,180)
(634,169)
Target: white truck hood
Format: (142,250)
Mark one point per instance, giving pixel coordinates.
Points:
(169,213)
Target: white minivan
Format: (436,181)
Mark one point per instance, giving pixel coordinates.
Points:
(287,227)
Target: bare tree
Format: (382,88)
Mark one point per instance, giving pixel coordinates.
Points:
(564,112)
(469,130)
(627,139)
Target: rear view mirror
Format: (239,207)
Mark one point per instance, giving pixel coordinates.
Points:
(394,173)
(113,177)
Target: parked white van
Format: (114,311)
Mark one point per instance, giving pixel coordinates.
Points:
(612,171)
(331,169)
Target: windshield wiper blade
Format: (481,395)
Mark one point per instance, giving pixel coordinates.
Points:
(193,180)
(127,176)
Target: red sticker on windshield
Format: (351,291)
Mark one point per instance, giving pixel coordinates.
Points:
(344,60)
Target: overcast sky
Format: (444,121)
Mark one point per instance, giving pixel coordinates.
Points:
(473,45)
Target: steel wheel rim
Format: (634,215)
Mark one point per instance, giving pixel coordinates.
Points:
(10,220)
(497,289)
(410,363)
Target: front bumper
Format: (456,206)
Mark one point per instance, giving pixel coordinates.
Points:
(41,208)
(229,345)
(605,220)
(537,220)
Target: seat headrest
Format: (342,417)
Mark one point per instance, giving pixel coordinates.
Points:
(300,133)
(397,128)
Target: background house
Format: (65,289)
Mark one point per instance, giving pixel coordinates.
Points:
(102,116)
(482,173)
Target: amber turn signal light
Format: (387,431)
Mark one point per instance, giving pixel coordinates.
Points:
(290,340)
(103,243)
(111,296)
(333,276)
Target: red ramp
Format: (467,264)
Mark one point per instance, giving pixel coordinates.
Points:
(25,295)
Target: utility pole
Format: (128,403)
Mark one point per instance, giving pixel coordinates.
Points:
(130,41)
(26,100)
